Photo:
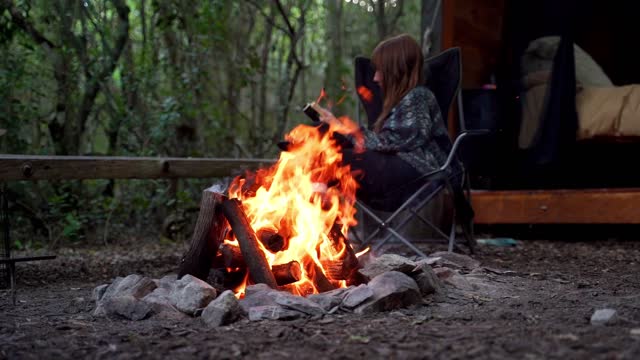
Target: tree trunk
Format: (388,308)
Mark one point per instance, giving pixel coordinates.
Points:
(335,66)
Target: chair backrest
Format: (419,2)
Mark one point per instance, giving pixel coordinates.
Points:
(443,74)
(369,92)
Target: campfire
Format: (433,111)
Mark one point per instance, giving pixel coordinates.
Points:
(280,239)
(284,226)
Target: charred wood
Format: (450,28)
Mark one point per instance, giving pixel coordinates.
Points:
(255,259)
(346,265)
(271,240)
(287,273)
(314,271)
(208,234)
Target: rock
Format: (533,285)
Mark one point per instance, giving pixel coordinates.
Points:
(133,285)
(298,303)
(160,302)
(443,272)
(635,332)
(224,310)
(273,312)
(391,290)
(258,296)
(454,260)
(256,288)
(427,280)
(99,291)
(386,263)
(167,282)
(191,294)
(326,300)
(357,296)
(604,317)
(126,306)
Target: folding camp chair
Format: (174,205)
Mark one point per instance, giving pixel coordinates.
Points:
(443,74)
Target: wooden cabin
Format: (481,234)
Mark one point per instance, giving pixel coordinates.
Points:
(593,178)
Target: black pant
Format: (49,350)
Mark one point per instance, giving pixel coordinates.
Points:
(380,175)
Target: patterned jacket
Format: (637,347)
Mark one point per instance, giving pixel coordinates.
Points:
(415,131)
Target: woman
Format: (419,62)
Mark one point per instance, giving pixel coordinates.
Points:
(409,138)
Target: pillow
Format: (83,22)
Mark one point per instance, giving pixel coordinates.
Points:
(540,53)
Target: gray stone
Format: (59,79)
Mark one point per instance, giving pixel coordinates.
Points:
(160,301)
(427,280)
(191,294)
(325,300)
(454,260)
(386,263)
(391,290)
(126,306)
(133,285)
(257,288)
(99,291)
(273,312)
(224,310)
(357,296)
(443,272)
(298,303)
(167,282)
(604,317)
(258,297)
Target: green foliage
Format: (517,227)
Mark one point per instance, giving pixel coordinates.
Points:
(194,78)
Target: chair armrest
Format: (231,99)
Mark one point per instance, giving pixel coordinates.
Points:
(456,144)
(452,154)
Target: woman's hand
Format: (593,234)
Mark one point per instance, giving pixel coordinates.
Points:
(326,116)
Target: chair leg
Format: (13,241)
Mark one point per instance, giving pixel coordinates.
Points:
(452,232)
(402,239)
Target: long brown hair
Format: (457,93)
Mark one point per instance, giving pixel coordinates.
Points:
(399,59)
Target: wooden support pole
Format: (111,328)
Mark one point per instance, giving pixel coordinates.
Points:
(259,269)
(207,236)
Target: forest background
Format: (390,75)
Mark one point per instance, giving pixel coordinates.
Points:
(198,78)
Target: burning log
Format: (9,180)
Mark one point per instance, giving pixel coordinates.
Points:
(271,240)
(343,268)
(253,256)
(317,276)
(207,236)
(287,273)
(231,257)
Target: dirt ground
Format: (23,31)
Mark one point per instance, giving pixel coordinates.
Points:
(552,289)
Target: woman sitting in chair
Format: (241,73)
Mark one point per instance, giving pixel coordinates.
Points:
(409,138)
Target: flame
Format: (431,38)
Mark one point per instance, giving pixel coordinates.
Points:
(365,93)
(323,94)
(302,196)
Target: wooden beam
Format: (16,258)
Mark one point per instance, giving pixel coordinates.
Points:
(580,206)
(28,167)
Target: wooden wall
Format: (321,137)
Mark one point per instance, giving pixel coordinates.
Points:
(476,27)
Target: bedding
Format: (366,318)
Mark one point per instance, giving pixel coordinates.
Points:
(608,111)
(603,112)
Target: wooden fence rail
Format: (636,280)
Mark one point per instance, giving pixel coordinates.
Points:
(33,167)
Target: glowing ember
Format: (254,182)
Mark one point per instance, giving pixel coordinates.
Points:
(301,197)
(365,93)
